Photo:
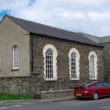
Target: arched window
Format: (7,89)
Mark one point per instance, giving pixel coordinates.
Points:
(93,65)
(74,58)
(50,68)
(15,57)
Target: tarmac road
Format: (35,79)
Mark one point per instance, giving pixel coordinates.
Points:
(102,104)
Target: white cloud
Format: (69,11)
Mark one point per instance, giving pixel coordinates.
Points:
(89,16)
(69,15)
(97,16)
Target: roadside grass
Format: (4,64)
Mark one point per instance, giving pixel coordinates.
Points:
(4,97)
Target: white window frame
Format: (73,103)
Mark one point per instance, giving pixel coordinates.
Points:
(15,58)
(46,47)
(77,63)
(92,53)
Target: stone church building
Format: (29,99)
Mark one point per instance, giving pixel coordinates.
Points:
(44,61)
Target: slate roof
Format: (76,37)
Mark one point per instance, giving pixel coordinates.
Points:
(41,29)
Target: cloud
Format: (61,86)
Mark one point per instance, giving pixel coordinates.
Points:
(99,16)
(89,16)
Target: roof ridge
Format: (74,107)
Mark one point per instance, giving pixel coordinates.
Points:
(41,24)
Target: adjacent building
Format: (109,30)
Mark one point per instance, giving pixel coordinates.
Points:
(105,42)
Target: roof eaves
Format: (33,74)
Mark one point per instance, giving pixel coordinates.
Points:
(96,45)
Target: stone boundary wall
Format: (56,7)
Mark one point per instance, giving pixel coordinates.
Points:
(30,86)
(56,94)
(21,85)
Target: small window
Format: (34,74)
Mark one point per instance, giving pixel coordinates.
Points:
(15,57)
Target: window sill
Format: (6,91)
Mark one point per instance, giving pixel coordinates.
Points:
(93,79)
(50,79)
(76,79)
(17,69)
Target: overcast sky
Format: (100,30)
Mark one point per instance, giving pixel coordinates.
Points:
(88,16)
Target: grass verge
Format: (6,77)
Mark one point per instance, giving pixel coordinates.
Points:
(4,97)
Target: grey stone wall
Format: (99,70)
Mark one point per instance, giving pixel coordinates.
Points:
(56,94)
(106,60)
(21,85)
(63,47)
(105,41)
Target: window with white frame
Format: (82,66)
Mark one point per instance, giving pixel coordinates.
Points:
(50,67)
(15,57)
(93,65)
(49,63)
(74,58)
